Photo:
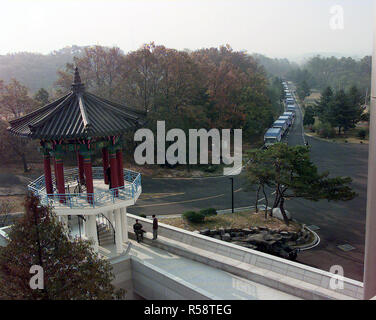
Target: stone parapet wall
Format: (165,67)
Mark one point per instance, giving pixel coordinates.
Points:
(313,277)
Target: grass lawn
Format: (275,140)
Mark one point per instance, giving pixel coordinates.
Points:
(238,220)
(351,135)
(310,100)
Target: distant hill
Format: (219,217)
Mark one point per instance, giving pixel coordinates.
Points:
(36,70)
(275,67)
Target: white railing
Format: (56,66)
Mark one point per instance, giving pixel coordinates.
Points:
(84,199)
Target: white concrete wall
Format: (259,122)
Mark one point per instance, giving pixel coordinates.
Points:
(143,280)
(286,268)
(122,270)
(153,283)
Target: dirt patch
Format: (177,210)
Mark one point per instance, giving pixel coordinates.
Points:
(16,203)
(240,220)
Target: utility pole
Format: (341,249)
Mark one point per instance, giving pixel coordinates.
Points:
(369,279)
(232,194)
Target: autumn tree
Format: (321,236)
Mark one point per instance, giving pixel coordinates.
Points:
(99,70)
(13,148)
(72,270)
(14,99)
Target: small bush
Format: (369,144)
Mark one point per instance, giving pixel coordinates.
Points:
(325,130)
(194,217)
(210,169)
(142,215)
(6,206)
(208,212)
(362,134)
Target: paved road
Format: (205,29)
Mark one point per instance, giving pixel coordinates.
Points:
(339,223)
(342,222)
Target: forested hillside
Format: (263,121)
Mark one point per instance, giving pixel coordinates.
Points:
(36,70)
(338,73)
(207,88)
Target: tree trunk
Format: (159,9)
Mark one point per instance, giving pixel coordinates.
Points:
(281,207)
(24,162)
(266,203)
(276,200)
(257,197)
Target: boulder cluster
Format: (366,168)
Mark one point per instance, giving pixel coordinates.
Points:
(280,243)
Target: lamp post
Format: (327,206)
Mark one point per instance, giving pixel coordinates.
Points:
(232,194)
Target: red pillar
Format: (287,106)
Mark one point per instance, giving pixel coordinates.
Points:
(80,161)
(55,171)
(105,164)
(119,158)
(114,171)
(89,178)
(60,178)
(47,174)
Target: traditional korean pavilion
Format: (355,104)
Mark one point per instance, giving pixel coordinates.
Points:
(85,124)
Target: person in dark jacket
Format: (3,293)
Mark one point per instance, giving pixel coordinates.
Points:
(155,227)
(137,228)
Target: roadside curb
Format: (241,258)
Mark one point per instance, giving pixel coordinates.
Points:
(334,142)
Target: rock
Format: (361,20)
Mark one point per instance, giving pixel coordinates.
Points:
(278,214)
(205,232)
(247,231)
(263,228)
(226,237)
(239,239)
(237,234)
(300,240)
(294,236)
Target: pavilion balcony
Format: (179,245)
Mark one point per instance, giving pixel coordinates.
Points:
(76,197)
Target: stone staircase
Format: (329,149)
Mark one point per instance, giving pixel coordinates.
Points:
(106,235)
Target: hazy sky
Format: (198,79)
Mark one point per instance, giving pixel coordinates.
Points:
(276,28)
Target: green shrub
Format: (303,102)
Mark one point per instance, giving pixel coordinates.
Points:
(325,130)
(362,134)
(208,212)
(193,216)
(210,169)
(142,215)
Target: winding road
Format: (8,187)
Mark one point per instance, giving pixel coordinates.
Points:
(340,223)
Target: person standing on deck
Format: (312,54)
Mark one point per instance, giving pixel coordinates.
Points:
(155,227)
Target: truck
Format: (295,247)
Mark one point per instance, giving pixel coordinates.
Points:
(290,101)
(272,136)
(291,115)
(287,119)
(291,108)
(282,124)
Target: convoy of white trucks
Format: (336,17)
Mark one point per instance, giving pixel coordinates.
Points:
(284,122)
